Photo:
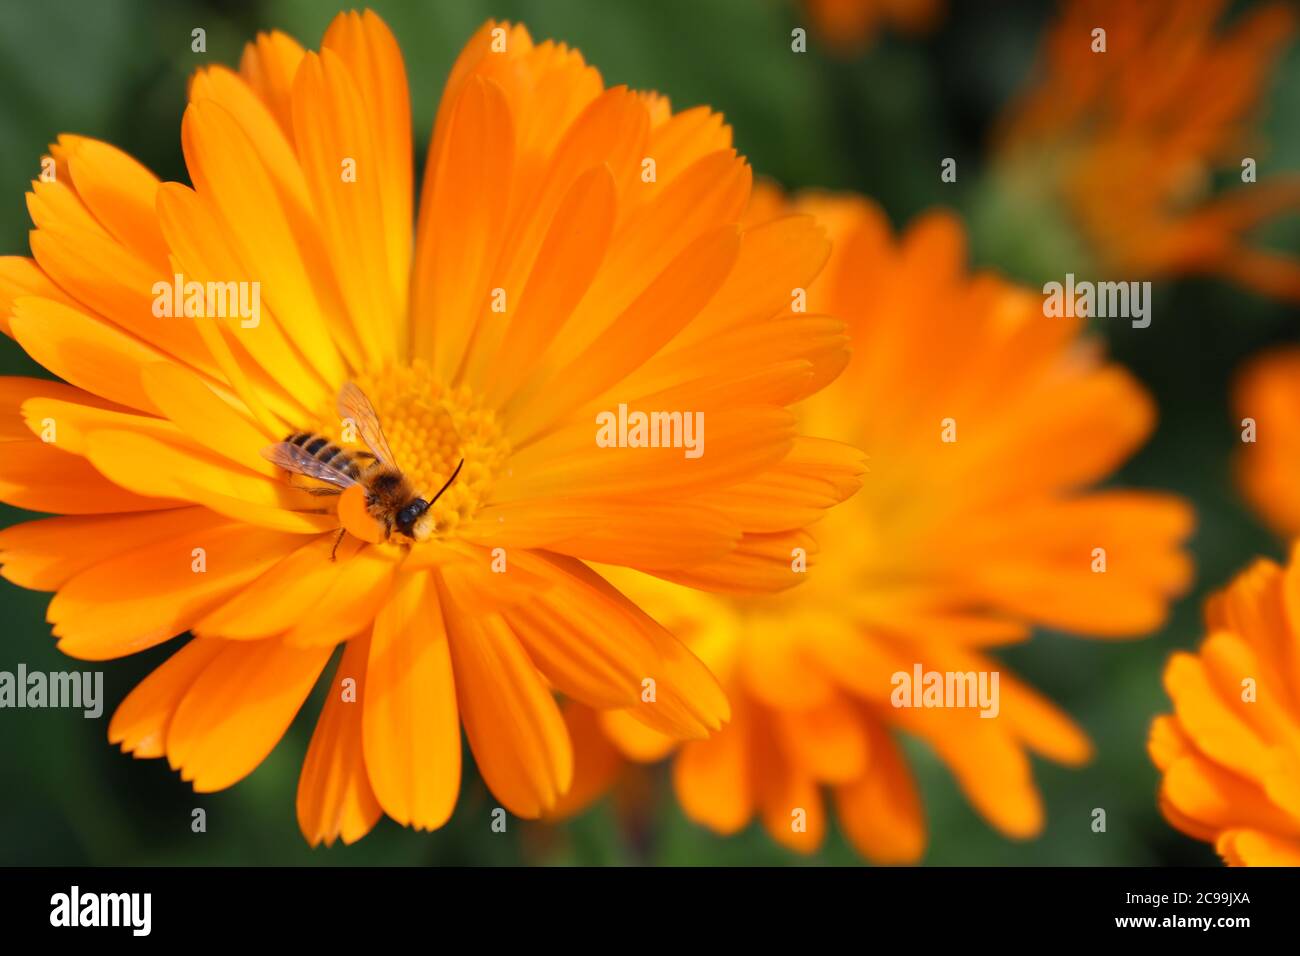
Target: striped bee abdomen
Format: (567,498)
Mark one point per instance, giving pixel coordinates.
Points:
(327,453)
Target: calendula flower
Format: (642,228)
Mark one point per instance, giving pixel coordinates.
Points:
(1133,110)
(577,249)
(1267,400)
(853,23)
(985,424)
(1229,754)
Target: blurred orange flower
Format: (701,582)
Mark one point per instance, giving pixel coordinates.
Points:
(1267,400)
(616,287)
(985,424)
(1130,139)
(853,23)
(1229,754)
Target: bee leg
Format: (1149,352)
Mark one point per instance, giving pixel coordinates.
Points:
(337,541)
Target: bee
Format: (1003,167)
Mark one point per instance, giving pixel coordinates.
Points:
(377,499)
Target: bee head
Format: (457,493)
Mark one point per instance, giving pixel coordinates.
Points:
(414,521)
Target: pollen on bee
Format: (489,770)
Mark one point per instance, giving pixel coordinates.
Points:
(355,516)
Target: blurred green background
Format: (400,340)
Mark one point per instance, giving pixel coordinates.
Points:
(877,122)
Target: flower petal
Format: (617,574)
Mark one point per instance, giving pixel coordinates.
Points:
(513,724)
(140,722)
(411,728)
(881,812)
(145,596)
(334,795)
(237,710)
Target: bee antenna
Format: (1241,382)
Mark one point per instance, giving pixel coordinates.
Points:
(448,482)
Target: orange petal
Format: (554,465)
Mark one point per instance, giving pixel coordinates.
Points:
(350,605)
(1218,732)
(601,649)
(283,376)
(462,221)
(713,778)
(794,814)
(41,477)
(881,812)
(1215,798)
(83,351)
(334,795)
(269,64)
(827,742)
(331,129)
(640,330)
(371,53)
(207,417)
(570,257)
(514,727)
(278,600)
(633,739)
(237,710)
(20,276)
(140,722)
(44,555)
(270,232)
(155,468)
(411,729)
(142,597)
(120,192)
(1248,847)
(596,763)
(991,768)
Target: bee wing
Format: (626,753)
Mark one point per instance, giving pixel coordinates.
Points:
(292,458)
(353,404)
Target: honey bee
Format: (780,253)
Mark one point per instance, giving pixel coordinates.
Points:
(376,499)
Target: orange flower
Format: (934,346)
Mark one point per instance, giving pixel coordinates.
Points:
(1128,139)
(1230,751)
(1267,400)
(985,423)
(550,278)
(853,23)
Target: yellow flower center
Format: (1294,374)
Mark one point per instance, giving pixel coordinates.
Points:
(430,428)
